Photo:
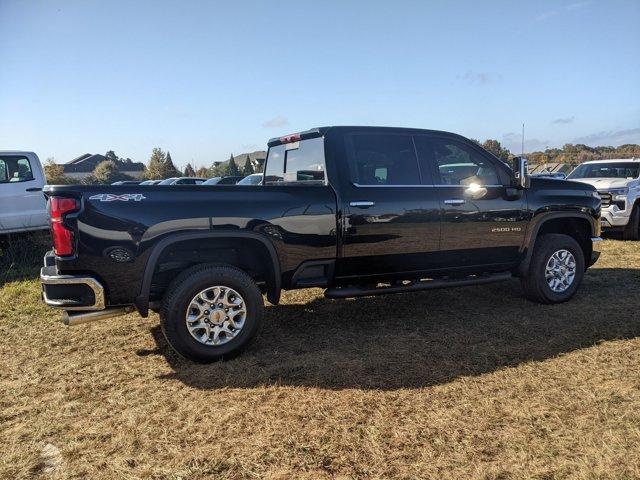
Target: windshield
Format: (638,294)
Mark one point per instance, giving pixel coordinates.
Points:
(212,181)
(254,179)
(168,181)
(607,170)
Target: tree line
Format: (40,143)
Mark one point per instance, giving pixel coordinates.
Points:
(569,153)
(159,167)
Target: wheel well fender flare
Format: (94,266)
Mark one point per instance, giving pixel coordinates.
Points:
(538,221)
(273,288)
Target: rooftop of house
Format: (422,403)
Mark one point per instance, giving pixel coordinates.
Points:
(88,162)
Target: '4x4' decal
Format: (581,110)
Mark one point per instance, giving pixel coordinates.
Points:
(112,197)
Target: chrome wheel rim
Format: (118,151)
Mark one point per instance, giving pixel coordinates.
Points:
(560,270)
(216,315)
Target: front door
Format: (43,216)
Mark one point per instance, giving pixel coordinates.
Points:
(483,221)
(391,221)
(22,205)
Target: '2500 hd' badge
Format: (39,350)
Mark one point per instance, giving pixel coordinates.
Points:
(112,197)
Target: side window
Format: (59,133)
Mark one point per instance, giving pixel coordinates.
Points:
(382,159)
(15,169)
(4,173)
(299,162)
(458,164)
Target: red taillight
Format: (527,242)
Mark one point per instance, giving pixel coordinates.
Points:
(62,236)
(295,137)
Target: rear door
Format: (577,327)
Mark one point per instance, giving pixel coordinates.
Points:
(391,220)
(482,222)
(22,205)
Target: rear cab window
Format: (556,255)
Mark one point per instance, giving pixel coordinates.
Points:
(15,169)
(296,163)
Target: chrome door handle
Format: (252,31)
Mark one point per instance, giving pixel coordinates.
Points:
(454,201)
(362,204)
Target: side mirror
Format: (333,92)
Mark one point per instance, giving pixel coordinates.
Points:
(521,177)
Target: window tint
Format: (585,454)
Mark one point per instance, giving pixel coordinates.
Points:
(607,170)
(382,159)
(15,169)
(458,164)
(299,162)
(424,148)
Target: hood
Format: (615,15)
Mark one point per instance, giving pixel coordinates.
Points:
(604,184)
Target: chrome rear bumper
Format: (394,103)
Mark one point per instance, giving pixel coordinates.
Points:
(71,292)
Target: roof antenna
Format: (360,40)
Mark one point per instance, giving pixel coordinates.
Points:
(522,154)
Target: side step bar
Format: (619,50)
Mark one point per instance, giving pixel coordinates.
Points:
(349,292)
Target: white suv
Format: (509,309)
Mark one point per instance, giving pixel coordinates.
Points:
(618,183)
(22,204)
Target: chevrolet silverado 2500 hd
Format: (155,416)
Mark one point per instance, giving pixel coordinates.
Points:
(355,210)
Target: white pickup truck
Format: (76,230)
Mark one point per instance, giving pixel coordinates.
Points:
(22,204)
(618,184)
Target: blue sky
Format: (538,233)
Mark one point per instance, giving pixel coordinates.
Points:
(203,79)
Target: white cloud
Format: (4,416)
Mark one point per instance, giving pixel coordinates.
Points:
(572,7)
(480,78)
(513,141)
(611,137)
(564,121)
(279,121)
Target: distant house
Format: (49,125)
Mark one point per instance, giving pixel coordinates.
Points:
(257,158)
(83,165)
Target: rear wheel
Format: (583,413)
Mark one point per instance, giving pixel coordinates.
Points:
(632,230)
(556,269)
(211,313)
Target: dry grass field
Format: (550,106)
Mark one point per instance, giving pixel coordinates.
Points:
(465,383)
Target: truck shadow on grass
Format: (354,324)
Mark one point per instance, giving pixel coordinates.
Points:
(418,340)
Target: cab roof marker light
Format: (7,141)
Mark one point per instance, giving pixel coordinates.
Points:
(295,137)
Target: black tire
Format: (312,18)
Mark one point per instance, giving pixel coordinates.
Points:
(176,303)
(535,285)
(632,230)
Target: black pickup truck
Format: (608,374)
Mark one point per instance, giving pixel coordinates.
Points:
(355,210)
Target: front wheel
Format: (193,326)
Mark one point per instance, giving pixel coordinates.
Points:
(556,269)
(211,312)
(632,230)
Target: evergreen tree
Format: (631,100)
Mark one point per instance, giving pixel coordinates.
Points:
(189,171)
(232,169)
(155,168)
(248,167)
(170,168)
